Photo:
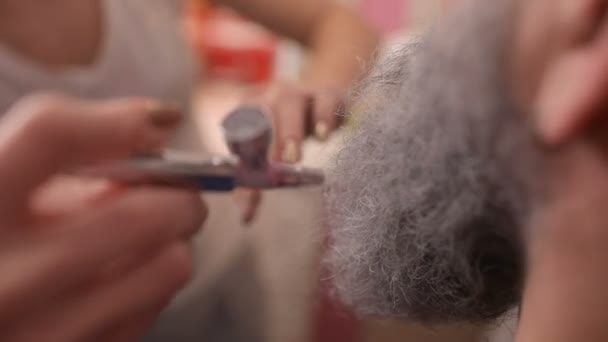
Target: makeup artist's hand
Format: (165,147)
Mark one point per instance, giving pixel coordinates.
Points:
(249,201)
(299,110)
(80,261)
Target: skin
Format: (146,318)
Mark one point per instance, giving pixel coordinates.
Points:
(448,6)
(561,70)
(95,265)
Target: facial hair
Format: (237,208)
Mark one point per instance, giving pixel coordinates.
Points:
(426,202)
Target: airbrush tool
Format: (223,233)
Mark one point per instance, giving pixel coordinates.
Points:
(248,133)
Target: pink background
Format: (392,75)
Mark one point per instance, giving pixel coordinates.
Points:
(387,15)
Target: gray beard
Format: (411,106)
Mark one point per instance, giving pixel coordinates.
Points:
(427,200)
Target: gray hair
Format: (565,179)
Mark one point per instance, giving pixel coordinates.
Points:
(426,201)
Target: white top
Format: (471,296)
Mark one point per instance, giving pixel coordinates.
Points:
(144,53)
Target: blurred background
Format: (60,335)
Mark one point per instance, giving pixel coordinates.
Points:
(264,282)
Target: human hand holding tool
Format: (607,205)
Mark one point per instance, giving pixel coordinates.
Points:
(82,261)
(248,133)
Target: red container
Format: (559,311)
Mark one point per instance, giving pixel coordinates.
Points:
(231,47)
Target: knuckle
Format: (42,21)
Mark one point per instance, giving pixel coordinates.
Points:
(191,210)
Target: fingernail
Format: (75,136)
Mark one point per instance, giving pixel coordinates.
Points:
(290,152)
(322,130)
(163,116)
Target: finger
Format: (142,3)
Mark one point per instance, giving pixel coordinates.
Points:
(97,311)
(134,329)
(251,202)
(325,107)
(134,223)
(47,134)
(255,199)
(147,288)
(289,112)
(573,95)
(66,195)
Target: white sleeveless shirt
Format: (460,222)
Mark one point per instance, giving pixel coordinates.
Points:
(144,53)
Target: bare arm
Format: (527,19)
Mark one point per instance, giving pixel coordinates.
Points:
(337,37)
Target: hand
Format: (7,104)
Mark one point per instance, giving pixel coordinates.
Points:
(94,266)
(297,111)
(249,201)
